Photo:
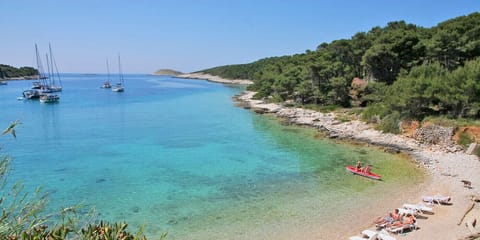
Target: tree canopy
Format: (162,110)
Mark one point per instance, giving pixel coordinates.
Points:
(413,71)
(7,71)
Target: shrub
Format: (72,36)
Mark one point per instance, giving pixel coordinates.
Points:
(464,139)
(390,123)
(373,113)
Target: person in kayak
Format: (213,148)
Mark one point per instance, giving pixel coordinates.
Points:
(359,165)
(367,169)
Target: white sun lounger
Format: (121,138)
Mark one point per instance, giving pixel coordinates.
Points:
(362,238)
(369,233)
(372,235)
(405,211)
(384,236)
(436,199)
(398,230)
(418,207)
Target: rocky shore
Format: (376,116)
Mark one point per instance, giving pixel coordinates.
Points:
(446,163)
(33,77)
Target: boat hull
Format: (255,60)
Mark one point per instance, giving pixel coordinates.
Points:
(368,175)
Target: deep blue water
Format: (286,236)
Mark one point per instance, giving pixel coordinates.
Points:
(174,154)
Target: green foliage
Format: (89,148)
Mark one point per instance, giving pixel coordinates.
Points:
(11,129)
(454,41)
(464,139)
(415,71)
(397,47)
(7,71)
(432,90)
(106,230)
(374,113)
(443,121)
(390,123)
(320,108)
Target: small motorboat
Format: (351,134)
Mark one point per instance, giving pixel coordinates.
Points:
(371,175)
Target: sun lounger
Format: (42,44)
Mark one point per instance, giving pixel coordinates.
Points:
(436,199)
(373,235)
(405,211)
(418,207)
(367,234)
(400,229)
(362,238)
(385,236)
(356,238)
(381,226)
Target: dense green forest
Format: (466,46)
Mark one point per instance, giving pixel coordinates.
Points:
(7,71)
(407,71)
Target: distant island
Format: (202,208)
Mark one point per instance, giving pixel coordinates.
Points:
(167,72)
(8,72)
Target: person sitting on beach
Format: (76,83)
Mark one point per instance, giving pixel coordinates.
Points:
(359,165)
(391,218)
(367,169)
(409,220)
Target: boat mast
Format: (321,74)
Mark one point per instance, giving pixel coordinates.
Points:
(108,72)
(39,66)
(48,73)
(54,63)
(120,71)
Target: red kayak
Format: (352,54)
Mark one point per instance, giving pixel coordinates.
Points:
(359,172)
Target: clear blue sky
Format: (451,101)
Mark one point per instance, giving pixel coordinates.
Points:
(190,35)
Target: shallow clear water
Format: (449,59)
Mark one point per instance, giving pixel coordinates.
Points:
(178,156)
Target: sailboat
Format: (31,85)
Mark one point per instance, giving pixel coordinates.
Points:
(35,92)
(107,83)
(55,76)
(45,85)
(47,96)
(120,86)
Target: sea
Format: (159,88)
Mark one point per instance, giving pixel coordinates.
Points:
(178,156)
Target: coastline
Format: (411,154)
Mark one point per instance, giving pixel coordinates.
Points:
(446,166)
(33,77)
(211,78)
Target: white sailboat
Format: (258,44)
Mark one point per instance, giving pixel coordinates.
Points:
(107,84)
(47,96)
(35,92)
(120,86)
(55,83)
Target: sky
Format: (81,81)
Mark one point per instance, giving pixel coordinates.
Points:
(191,35)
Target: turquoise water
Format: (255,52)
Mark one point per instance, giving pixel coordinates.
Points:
(178,156)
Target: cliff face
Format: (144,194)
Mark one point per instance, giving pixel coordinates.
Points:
(168,72)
